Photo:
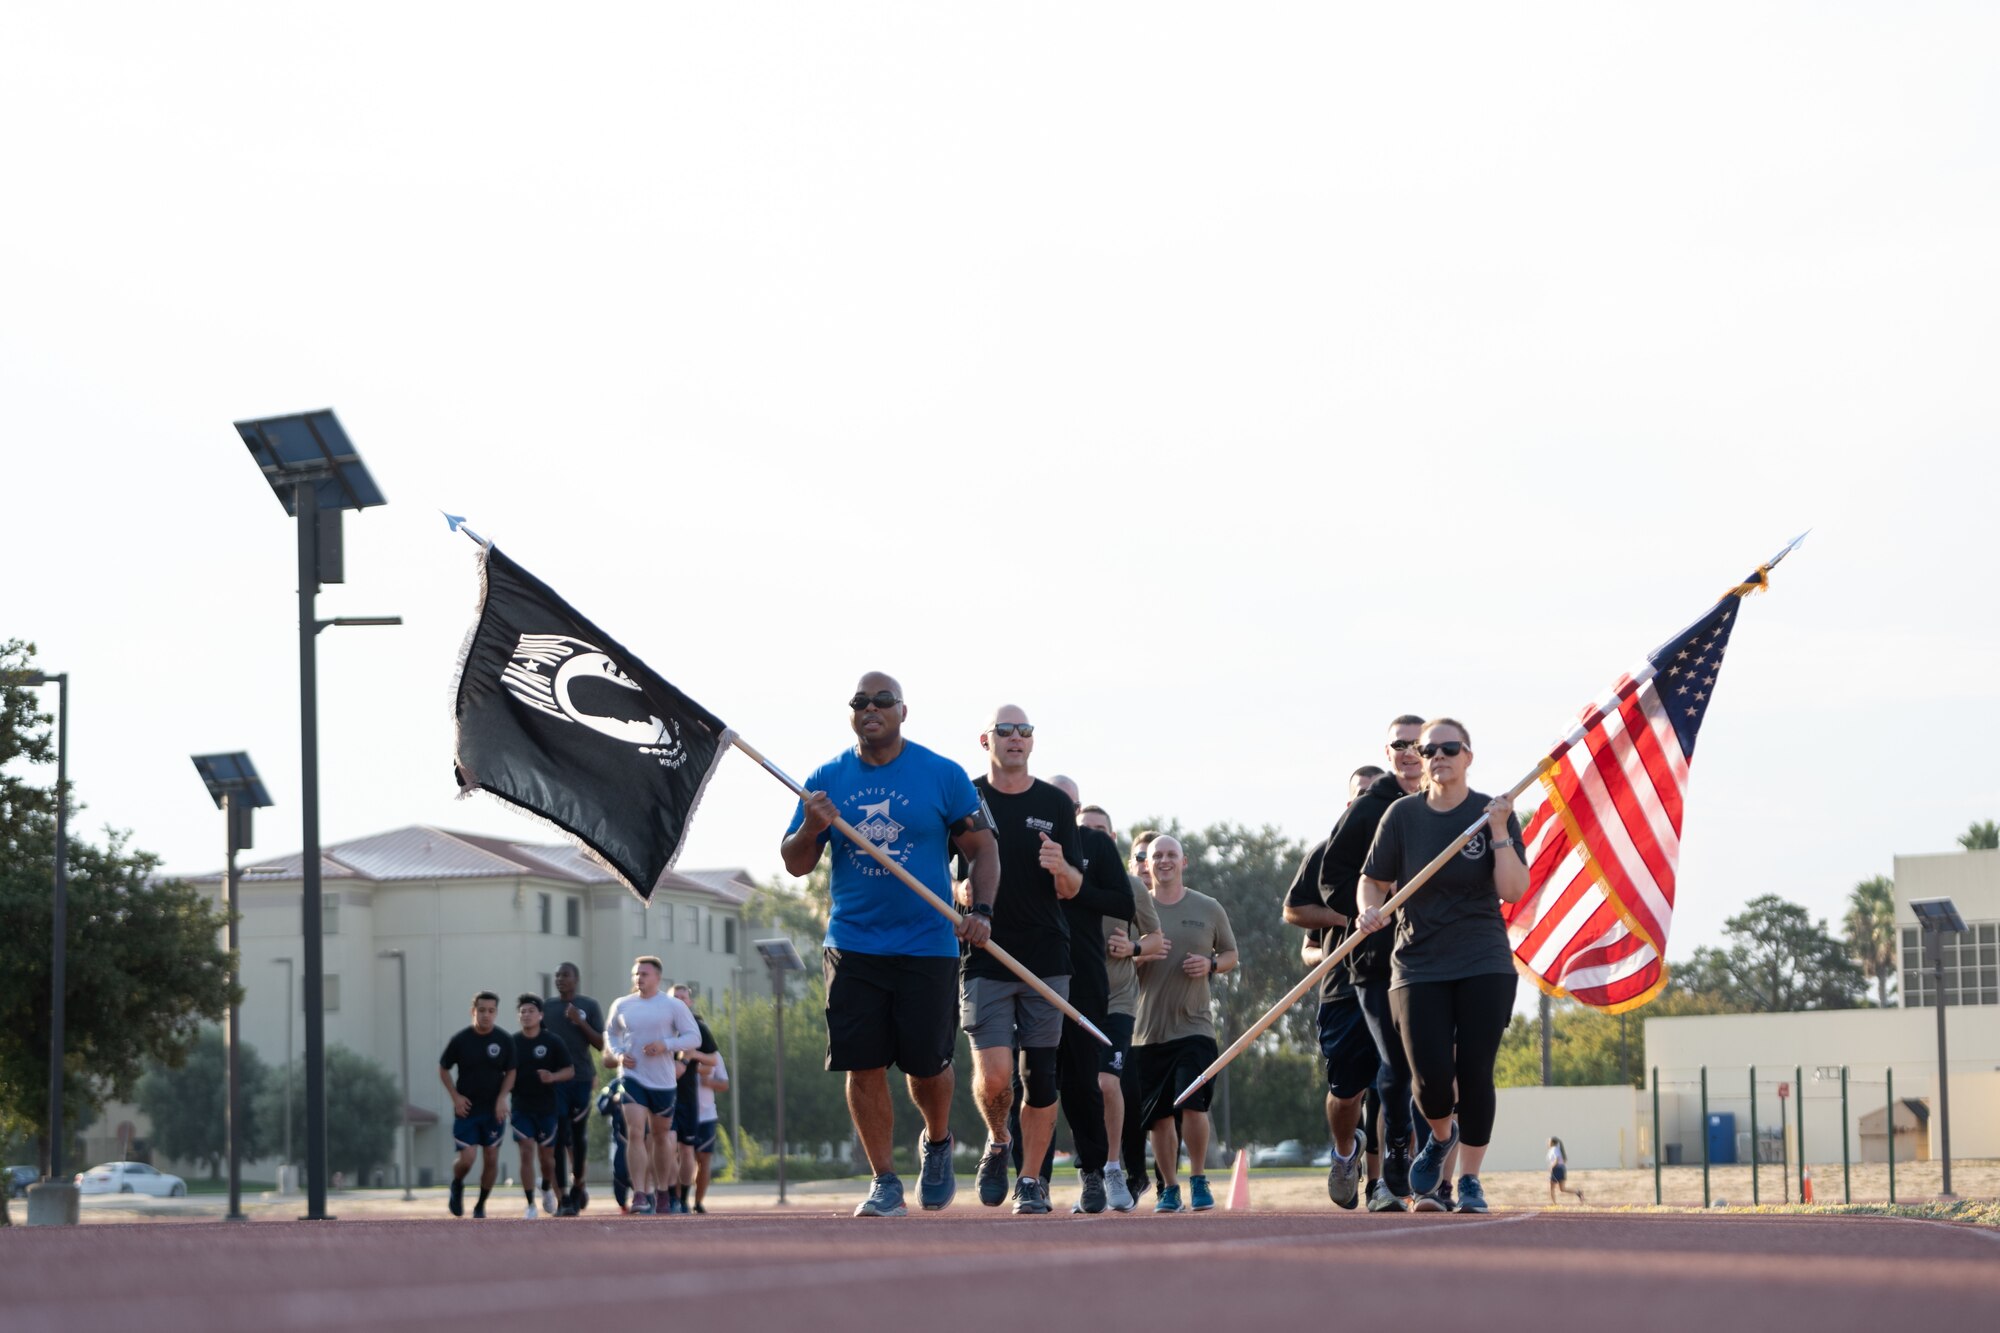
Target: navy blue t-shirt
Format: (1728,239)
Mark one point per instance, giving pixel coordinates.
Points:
(906,807)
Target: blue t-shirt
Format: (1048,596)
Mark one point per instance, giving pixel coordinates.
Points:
(906,807)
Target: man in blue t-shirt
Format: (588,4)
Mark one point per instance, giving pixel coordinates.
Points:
(891,958)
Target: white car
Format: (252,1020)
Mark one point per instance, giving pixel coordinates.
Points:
(129,1178)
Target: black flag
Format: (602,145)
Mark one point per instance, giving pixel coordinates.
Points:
(556,718)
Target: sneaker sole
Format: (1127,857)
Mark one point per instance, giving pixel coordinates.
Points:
(864,1211)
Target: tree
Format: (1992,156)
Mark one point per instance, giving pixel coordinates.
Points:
(144,971)
(797,907)
(1779,960)
(186,1103)
(363,1110)
(1871,931)
(1980,836)
(1584,1042)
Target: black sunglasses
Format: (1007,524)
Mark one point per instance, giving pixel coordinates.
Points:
(881,699)
(1013,728)
(1402,745)
(1450,749)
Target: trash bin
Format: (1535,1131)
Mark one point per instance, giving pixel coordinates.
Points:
(1722,1138)
(424,1177)
(1672,1156)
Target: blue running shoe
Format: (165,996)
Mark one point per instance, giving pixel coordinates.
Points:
(457,1200)
(938,1183)
(1427,1167)
(993,1174)
(885,1199)
(1169,1200)
(1199,1199)
(1471,1198)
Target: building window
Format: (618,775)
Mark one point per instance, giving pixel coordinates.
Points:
(729,935)
(1971,967)
(573,915)
(711,932)
(694,925)
(548,984)
(547,905)
(329,914)
(330,993)
(643,914)
(667,922)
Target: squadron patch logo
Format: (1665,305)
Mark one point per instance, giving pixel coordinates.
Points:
(573,681)
(877,826)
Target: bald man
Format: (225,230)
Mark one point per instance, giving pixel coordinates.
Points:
(891,959)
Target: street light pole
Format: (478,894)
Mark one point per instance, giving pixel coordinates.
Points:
(288,1163)
(1938,917)
(403,996)
(778,1103)
(232,1108)
(53,1183)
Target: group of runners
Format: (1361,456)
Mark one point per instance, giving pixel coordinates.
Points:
(1410,1021)
(540,1080)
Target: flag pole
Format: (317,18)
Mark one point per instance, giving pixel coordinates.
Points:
(923,891)
(1348,945)
(1757,582)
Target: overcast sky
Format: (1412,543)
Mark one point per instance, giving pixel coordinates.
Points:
(1215,382)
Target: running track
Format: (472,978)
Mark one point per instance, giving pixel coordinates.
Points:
(968,1271)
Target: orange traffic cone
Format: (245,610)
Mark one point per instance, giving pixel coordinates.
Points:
(1805,1185)
(1239,1183)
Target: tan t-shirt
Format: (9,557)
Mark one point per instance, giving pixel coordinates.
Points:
(1173,1004)
(1124,973)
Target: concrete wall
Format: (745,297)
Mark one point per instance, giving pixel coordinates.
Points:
(1601,1127)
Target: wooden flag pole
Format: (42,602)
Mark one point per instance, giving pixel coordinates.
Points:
(923,891)
(1347,946)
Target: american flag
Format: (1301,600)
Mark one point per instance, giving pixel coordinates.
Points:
(1605,844)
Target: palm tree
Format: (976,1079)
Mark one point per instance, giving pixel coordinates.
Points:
(1982,836)
(1871,931)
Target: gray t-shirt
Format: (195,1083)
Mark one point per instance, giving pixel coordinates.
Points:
(1450,928)
(1123,972)
(581,1053)
(1173,1004)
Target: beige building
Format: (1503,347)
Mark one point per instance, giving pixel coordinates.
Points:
(470,913)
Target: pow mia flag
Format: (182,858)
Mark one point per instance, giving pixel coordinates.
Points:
(556,718)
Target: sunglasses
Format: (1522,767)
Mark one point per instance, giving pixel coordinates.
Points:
(1450,749)
(1402,745)
(1139,856)
(1023,729)
(881,699)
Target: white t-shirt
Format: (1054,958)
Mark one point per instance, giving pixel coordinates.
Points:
(704,1097)
(1555,1156)
(635,1023)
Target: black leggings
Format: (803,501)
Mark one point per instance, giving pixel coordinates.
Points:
(1451,1032)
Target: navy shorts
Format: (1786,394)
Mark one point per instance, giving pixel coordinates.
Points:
(705,1135)
(477,1131)
(574,1096)
(687,1119)
(529,1127)
(1347,1048)
(658,1101)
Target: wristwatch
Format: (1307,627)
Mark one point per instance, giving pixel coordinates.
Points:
(1214,963)
(982,909)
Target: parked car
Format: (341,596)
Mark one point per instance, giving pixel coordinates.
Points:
(1325,1157)
(19,1178)
(129,1178)
(1289,1153)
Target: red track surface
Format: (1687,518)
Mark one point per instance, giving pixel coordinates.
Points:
(970,1270)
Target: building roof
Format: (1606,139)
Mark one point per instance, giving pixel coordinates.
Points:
(423,851)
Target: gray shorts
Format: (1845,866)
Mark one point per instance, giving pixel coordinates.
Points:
(1010,1013)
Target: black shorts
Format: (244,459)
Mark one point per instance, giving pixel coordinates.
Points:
(1347,1048)
(687,1117)
(1112,1059)
(1165,1069)
(883,1010)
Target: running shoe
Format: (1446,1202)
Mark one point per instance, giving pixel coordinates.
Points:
(1444,1196)
(1343,1178)
(937,1183)
(1396,1171)
(1471,1198)
(699,1209)
(1093,1198)
(1169,1200)
(479,1209)
(1430,1203)
(1030,1195)
(579,1199)
(548,1201)
(885,1198)
(457,1200)
(642,1205)
(530,1214)
(1199,1199)
(993,1174)
(1116,1191)
(1382,1200)
(1427,1167)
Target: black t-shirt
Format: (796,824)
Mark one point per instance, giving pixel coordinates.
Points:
(1027,916)
(543,1051)
(482,1063)
(1106,892)
(555,1021)
(1340,876)
(688,1085)
(1450,928)
(1305,892)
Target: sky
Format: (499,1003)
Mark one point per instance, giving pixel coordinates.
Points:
(1214,382)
